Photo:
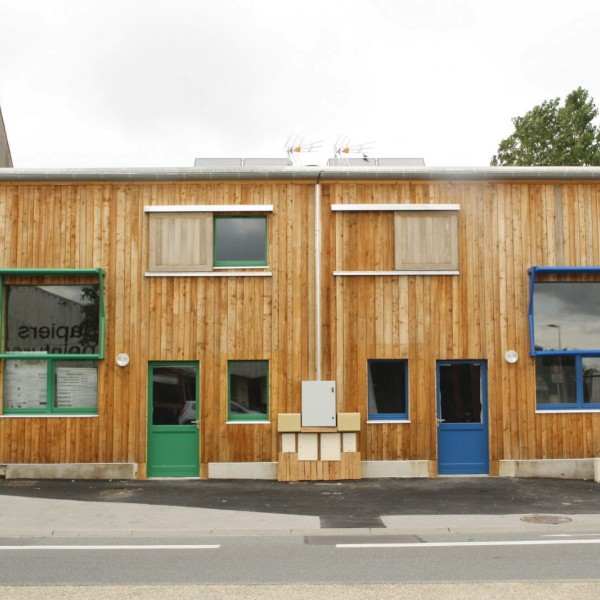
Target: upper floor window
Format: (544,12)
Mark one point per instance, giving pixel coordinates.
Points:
(564,315)
(240,241)
(194,239)
(397,239)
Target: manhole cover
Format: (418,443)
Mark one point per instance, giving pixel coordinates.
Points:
(546,519)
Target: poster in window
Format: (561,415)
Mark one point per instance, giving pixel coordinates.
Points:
(76,387)
(25,384)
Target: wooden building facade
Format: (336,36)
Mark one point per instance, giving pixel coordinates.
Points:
(164,322)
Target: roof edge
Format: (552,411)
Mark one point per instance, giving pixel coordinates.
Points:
(300,173)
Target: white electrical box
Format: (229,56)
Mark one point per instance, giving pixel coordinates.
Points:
(318,404)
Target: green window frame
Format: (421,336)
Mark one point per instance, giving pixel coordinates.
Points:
(248,390)
(247,253)
(62,382)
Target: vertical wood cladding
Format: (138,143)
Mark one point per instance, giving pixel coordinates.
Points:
(503,229)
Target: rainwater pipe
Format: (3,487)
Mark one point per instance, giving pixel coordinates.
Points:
(318,341)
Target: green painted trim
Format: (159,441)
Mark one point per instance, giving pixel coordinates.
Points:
(241,263)
(40,272)
(248,417)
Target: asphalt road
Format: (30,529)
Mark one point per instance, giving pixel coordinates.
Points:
(252,560)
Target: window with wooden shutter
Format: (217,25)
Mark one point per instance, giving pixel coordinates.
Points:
(181,242)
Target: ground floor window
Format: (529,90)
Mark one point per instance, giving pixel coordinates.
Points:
(248,387)
(564,317)
(567,381)
(52,340)
(387,389)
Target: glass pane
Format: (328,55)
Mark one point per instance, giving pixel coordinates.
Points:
(591,380)
(387,387)
(52,319)
(248,387)
(25,384)
(76,384)
(555,379)
(241,240)
(460,393)
(174,395)
(566,315)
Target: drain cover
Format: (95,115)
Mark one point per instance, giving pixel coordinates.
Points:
(20,483)
(546,519)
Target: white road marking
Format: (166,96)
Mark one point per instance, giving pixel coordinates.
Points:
(119,547)
(470,544)
(568,535)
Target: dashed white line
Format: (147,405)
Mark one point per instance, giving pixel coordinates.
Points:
(470,544)
(118,547)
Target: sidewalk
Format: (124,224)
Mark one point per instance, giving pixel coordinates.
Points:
(382,507)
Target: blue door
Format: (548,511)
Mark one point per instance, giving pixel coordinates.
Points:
(463,447)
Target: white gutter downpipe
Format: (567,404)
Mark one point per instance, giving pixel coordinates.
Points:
(318,341)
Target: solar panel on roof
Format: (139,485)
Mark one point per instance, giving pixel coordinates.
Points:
(351,162)
(401,162)
(218,162)
(267,162)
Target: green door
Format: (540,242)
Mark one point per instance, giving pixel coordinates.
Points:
(173,431)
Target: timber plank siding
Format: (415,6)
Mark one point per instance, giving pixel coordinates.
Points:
(503,229)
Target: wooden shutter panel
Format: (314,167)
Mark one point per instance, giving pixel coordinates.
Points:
(426,240)
(181,242)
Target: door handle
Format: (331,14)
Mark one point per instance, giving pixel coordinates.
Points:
(441,421)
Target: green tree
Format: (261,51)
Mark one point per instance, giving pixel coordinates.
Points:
(554,135)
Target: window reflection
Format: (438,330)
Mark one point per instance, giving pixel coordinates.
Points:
(52,319)
(240,240)
(566,315)
(248,388)
(173,395)
(556,379)
(591,380)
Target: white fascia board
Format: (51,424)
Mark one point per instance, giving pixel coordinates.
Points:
(209,274)
(394,207)
(208,208)
(373,273)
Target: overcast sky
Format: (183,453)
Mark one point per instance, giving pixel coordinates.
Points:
(125,83)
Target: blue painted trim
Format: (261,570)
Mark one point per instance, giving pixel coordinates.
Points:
(388,416)
(550,270)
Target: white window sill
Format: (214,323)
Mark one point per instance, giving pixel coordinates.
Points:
(222,273)
(565,411)
(371,273)
(387,421)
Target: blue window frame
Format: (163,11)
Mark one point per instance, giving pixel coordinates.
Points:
(564,329)
(387,389)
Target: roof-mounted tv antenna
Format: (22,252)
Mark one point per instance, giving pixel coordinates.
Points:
(295,145)
(342,148)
